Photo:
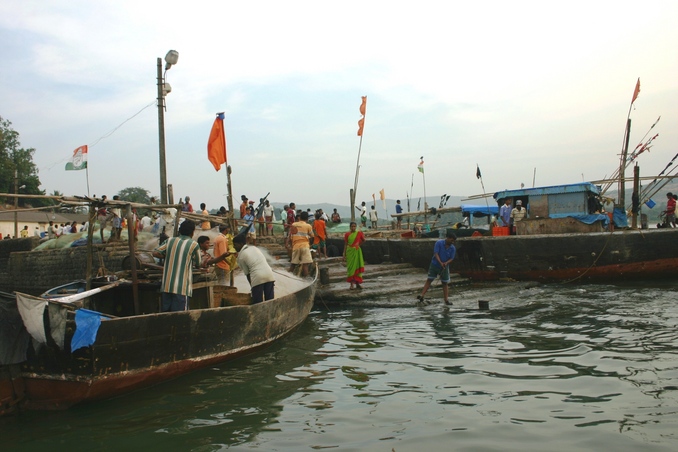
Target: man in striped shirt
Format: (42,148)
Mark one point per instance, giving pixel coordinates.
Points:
(181,254)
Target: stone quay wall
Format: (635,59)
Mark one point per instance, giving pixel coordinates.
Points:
(34,272)
(417,252)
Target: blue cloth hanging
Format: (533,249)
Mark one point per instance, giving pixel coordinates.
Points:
(86,327)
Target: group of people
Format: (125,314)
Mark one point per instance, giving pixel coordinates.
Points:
(263,218)
(57,230)
(305,232)
(181,254)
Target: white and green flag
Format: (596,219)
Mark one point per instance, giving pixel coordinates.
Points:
(79,159)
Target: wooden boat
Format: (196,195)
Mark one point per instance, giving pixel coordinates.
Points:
(129,351)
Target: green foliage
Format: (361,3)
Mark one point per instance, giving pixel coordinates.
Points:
(135,194)
(14,158)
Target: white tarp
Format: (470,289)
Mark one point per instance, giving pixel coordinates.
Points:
(32,311)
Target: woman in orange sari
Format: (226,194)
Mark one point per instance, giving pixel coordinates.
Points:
(353,255)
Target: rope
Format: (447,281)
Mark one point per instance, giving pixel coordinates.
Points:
(594,262)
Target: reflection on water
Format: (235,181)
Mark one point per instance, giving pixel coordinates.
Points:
(547,367)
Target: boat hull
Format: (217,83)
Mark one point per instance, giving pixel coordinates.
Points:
(135,352)
(586,257)
(604,256)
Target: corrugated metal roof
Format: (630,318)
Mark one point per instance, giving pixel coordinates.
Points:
(552,190)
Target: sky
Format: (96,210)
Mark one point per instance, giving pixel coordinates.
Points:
(535,93)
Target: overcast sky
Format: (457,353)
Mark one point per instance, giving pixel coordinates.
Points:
(526,89)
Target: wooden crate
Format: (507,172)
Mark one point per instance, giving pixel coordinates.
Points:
(229,296)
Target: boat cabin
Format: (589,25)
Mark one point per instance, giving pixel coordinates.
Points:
(471,212)
(577,208)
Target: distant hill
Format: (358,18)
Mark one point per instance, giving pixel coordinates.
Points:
(415,205)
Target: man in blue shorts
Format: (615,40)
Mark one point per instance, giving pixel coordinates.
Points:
(443,255)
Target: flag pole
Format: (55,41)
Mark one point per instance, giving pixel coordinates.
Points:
(480,176)
(361,124)
(408,201)
(87,177)
(355,182)
(423,175)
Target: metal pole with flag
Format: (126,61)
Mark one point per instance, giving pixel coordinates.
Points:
(420,167)
(382,196)
(361,125)
(480,177)
(216,153)
(411,193)
(79,162)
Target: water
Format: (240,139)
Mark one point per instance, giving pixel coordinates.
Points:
(547,368)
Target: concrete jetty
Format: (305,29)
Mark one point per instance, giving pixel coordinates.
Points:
(382,282)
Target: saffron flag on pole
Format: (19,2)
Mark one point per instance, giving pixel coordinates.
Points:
(420,167)
(382,196)
(636,91)
(361,121)
(79,159)
(216,144)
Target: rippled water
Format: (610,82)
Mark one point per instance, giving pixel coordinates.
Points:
(546,368)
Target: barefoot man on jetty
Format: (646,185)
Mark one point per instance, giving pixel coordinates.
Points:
(443,255)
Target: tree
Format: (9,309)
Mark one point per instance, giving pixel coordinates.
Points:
(14,158)
(135,194)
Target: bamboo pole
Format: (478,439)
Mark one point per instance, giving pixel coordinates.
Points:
(131,238)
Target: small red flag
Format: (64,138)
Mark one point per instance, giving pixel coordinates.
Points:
(361,122)
(636,91)
(216,144)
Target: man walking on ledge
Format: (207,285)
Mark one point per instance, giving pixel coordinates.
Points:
(443,255)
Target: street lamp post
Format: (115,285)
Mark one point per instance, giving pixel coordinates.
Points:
(16,203)
(163,89)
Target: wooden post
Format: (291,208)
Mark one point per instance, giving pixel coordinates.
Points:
(636,191)
(131,239)
(229,200)
(90,240)
(622,167)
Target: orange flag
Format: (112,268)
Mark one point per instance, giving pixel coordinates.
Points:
(216,144)
(361,122)
(636,91)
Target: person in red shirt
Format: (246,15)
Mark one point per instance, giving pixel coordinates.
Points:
(670,211)
(291,214)
(320,233)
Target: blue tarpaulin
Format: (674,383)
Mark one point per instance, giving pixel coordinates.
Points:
(86,327)
(619,217)
(592,218)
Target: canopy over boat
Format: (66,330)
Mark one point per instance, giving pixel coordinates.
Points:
(478,211)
